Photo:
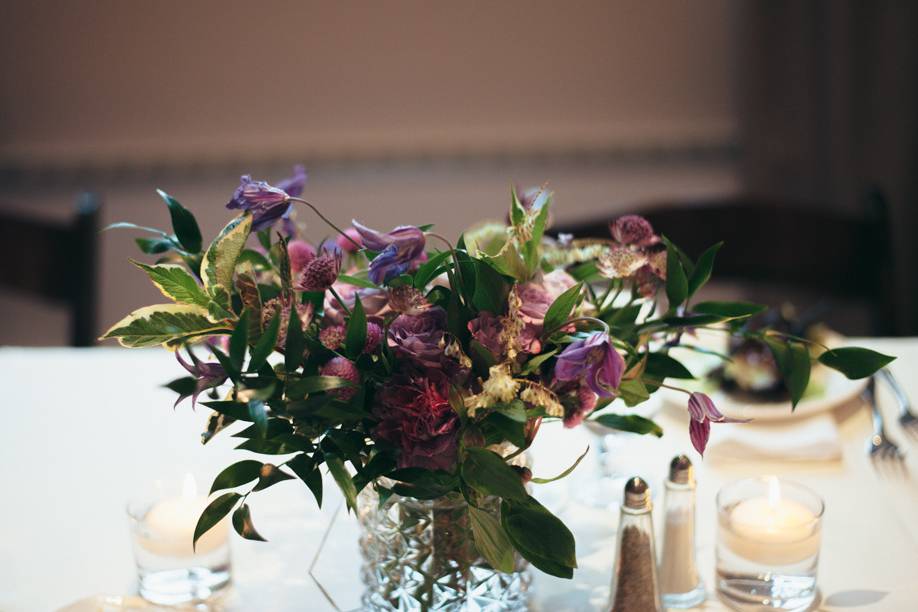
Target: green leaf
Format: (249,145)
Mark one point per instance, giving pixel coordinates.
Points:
(729,310)
(533,364)
(295,345)
(629,422)
(540,537)
(855,362)
(279,445)
(357,282)
(251,300)
(185,385)
(633,392)
(154,246)
(219,261)
(517,212)
(270,475)
(265,344)
(239,341)
(515,410)
(175,283)
(355,338)
(677,288)
(490,540)
(491,288)
(341,476)
(214,513)
(793,361)
(163,324)
(255,258)
(235,410)
(565,472)
(703,267)
(259,416)
(585,272)
(507,429)
(242,523)
(561,308)
(488,473)
(307,469)
(236,475)
(429,269)
(661,366)
(183,223)
(315,384)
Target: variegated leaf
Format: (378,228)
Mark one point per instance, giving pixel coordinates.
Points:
(175,283)
(163,324)
(219,261)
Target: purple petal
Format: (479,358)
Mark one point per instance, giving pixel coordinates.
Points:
(373,240)
(699,432)
(294,184)
(701,407)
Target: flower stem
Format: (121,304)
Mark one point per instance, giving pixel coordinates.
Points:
(603,324)
(340,301)
(452,251)
(330,224)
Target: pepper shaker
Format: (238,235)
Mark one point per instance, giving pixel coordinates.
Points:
(634,577)
(679,578)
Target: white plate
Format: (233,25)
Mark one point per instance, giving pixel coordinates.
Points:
(837,390)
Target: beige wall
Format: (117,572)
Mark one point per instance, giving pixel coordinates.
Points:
(443,104)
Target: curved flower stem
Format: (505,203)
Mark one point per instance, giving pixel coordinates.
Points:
(452,251)
(340,301)
(330,224)
(600,322)
(660,383)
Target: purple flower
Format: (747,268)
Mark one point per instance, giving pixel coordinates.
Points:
(321,272)
(300,253)
(580,406)
(703,412)
(415,416)
(293,185)
(594,362)
(534,303)
(347,241)
(266,203)
(486,329)
(332,337)
(398,250)
(375,302)
(344,368)
(207,375)
(633,230)
(420,337)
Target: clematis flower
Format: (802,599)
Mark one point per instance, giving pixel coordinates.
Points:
(207,375)
(294,185)
(415,416)
(321,272)
(399,250)
(300,253)
(633,230)
(421,337)
(703,412)
(344,368)
(265,202)
(593,362)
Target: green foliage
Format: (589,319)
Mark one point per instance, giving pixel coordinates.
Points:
(183,223)
(677,287)
(855,362)
(167,324)
(219,263)
(793,361)
(270,475)
(702,269)
(539,536)
(214,513)
(341,476)
(242,523)
(307,469)
(661,366)
(490,540)
(238,474)
(355,338)
(175,283)
(265,344)
(566,472)
(729,310)
(561,308)
(487,473)
(491,288)
(629,422)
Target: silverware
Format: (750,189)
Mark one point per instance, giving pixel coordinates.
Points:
(879,446)
(908,420)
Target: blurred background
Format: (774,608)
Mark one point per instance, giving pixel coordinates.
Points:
(788,129)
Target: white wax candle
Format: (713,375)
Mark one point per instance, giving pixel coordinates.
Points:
(772,530)
(168,527)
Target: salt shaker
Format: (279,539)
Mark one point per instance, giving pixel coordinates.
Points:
(679,578)
(634,578)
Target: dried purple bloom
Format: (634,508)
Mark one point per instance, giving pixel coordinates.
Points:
(486,329)
(347,242)
(374,336)
(594,362)
(207,375)
(300,253)
(282,304)
(405,299)
(321,272)
(375,302)
(584,402)
(344,368)
(266,203)
(332,337)
(703,412)
(535,300)
(633,230)
(420,337)
(398,250)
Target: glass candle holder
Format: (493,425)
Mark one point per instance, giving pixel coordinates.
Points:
(768,539)
(170,571)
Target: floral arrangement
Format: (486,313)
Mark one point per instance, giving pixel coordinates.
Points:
(428,366)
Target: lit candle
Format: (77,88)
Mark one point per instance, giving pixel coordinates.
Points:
(168,527)
(772,530)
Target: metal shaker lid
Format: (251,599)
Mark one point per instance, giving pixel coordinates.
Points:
(681,470)
(637,494)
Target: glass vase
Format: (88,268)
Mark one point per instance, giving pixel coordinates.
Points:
(420,555)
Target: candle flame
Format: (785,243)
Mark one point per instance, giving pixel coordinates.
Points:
(774,491)
(189,487)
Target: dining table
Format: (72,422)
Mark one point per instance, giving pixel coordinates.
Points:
(84,429)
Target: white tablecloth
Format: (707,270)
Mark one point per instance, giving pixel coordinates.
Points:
(82,428)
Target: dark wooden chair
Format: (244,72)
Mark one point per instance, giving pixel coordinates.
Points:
(57,262)
(824,252)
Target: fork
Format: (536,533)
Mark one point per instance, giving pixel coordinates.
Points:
(908,420)
(879,446)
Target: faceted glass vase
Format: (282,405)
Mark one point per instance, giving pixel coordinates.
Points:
(420,555)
